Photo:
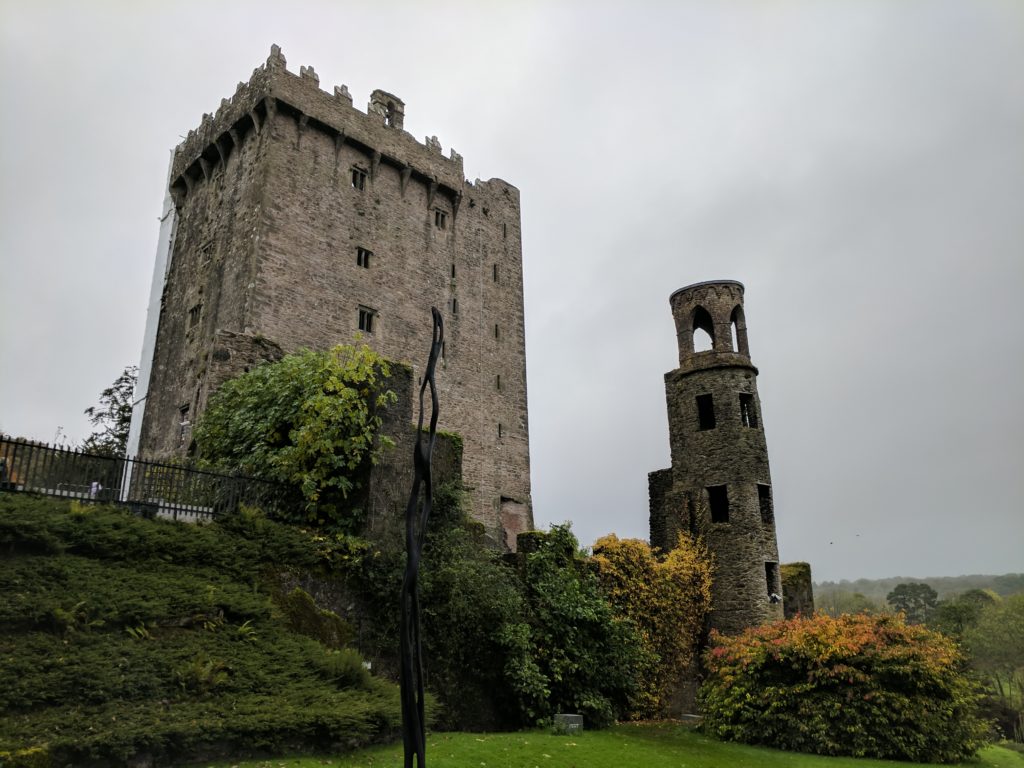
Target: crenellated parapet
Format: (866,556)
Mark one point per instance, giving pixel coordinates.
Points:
(273,90)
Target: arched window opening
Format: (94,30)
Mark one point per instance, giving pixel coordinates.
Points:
(703,331)
(739,331)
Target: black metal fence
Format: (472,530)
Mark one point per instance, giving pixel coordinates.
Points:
(159,489)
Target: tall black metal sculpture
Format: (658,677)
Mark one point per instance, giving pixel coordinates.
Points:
(416,515)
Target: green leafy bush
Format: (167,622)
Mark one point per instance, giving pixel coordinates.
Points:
(309,420)
(866,686)
(582,658)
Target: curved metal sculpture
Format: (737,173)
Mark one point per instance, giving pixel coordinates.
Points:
(416,515)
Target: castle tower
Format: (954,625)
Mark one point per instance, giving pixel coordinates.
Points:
(719,486)
(302,221)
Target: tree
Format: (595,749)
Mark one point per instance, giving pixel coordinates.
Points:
(917,601)
(955,616)
(666,599)
(112,417)
(309,420)
(996,646)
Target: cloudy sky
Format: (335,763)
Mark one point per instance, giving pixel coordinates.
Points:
(858,165)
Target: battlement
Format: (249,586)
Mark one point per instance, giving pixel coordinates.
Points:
(273,89)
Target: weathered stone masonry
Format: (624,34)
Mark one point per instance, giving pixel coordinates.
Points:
(719,486)
(302,222)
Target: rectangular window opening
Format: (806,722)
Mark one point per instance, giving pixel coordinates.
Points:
(499,429)
(455,306)
(771,577)
(440,219)
(495,273)
(705,412)
(497,382)
(194,314)
(358,178)
(496,333)
(453,271)
(764,502)
(363,257)
(367,319)
(718,501)
(748,412)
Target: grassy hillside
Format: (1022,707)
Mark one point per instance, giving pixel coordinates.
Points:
(124,637)
(657,745)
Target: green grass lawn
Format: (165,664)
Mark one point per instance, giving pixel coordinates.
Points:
(661,745)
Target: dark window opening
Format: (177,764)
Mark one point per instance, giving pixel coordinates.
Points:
(718,501)
(771,577)
(440,219)
(497,382)
(764,501)
(504,230)
(444,348)
(453,271)
(194,314)
(748,413)
(705,412)
(358,178)
(499,429)
(363,257)
(495,273)
(496,334)
(455,306)
(366,319)
(184,425)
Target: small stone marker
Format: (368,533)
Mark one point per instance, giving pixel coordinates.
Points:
(568,723)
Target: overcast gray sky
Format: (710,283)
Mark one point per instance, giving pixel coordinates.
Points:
(858,165)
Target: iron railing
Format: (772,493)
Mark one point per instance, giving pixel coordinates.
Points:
(153,488)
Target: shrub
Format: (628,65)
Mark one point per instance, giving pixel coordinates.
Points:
(667,599)
(582,657)
(866,686)
(309,420)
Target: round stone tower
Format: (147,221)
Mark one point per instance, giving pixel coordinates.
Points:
(719,486)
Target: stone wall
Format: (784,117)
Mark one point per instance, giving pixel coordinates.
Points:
(299,218)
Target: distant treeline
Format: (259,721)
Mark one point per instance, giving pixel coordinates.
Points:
(946,586)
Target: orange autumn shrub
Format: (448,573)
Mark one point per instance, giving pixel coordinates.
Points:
(860,685)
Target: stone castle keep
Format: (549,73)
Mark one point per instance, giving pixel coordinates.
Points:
(301,221)
(719,486)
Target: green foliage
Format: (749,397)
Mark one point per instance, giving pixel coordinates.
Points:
(666,599)
(124,637)
(583,658)
(955,616)
(309,420)
(917,601)
(995,643)
(112,417)
(866,686)
(472,613)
